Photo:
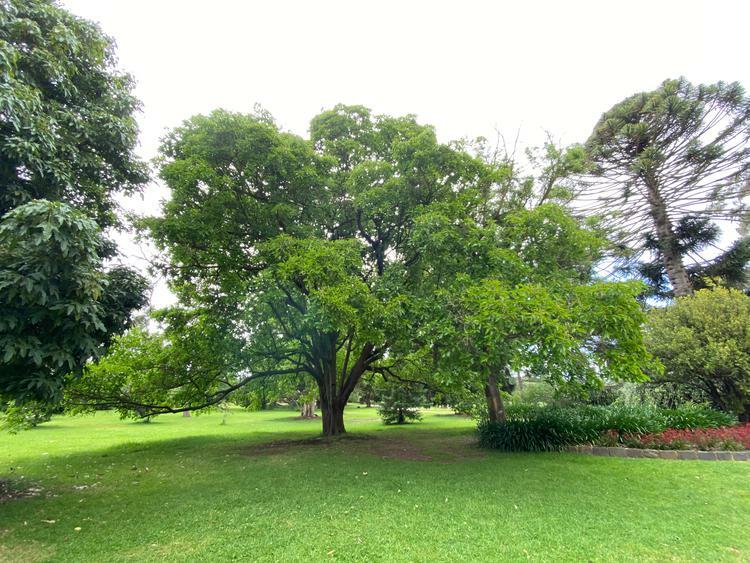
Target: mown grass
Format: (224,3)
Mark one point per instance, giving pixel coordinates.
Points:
(191,489)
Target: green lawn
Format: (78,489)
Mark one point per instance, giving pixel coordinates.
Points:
(194,489)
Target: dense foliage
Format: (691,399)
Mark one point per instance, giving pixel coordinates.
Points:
(50,287)
(704,343)
(67,139)
(67,130)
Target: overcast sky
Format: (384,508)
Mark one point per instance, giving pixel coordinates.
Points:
(468,68)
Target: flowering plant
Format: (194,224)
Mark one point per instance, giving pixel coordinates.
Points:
(726,438)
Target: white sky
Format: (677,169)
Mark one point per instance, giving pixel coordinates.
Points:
(466,67)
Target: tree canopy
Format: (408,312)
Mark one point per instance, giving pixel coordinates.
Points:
(669,163)
(67,130)
(329,257)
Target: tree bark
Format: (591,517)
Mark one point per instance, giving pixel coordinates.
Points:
(334,389)
(333,417)
(495,406)
(671,258)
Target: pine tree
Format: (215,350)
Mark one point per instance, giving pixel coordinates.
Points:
(668,165)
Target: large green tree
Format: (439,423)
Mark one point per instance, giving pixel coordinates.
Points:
(293,239)
(667,164)
(67,140)
(327,256)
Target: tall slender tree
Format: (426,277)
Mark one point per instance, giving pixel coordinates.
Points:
(667,160)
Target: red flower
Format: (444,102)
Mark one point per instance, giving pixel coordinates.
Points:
(726,438)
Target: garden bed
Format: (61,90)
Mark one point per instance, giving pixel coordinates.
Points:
(622,427)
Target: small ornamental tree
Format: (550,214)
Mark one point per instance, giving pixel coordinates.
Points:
(519,295)
(704,343)
(400,403)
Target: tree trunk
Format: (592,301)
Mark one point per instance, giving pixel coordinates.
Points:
(331,401)
(333,417)
(671,257)
(334,390)
(495,407)
(308,410)
(186,413)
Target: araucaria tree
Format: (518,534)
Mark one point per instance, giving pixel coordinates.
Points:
(668,163)
(326,256)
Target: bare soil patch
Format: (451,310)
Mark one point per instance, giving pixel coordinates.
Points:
(443,449)
(396,448)
(13,490)
(282,446)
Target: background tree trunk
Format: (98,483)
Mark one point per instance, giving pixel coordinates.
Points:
(308,410)
(495,407)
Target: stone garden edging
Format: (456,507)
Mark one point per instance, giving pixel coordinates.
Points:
(743,455)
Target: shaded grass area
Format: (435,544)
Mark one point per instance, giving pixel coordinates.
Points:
(262,488)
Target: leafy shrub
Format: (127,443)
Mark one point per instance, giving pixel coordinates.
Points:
(704,343)
(538,429)
(534,393)
(530,428)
